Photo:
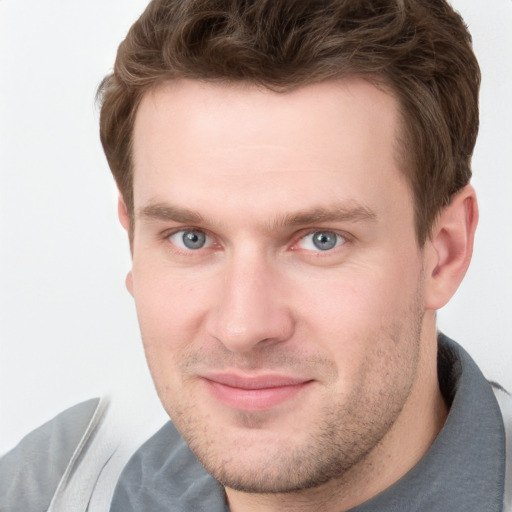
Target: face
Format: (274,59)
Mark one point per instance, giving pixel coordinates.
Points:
(276,275)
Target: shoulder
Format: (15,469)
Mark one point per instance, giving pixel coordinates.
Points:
(31,472)
(505,402)
(164,474)
(504,399)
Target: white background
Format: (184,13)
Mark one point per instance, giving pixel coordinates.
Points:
(68,329)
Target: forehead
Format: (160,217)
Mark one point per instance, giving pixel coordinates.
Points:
(198,141)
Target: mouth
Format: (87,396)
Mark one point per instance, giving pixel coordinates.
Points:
(254,393)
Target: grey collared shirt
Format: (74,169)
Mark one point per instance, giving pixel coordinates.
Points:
(464,469)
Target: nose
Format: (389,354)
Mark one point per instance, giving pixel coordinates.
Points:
(250,309)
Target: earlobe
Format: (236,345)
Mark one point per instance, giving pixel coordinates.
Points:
(129,282)
(449,250)
(122,213)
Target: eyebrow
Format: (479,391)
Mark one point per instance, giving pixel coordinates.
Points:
(334,213)
(167,212)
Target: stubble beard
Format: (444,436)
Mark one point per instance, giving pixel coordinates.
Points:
(346,432)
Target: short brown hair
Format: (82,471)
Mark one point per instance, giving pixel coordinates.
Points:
(419,49)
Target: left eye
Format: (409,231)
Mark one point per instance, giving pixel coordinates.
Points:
(321,241)
(190,239)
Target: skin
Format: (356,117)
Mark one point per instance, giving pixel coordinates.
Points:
(257,172)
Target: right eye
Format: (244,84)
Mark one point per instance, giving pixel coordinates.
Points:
(190,239)
(321,241)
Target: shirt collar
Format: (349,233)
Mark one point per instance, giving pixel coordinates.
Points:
(464,469)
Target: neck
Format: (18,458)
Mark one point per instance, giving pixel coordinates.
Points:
(400,450)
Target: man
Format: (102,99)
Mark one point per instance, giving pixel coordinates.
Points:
(294,182)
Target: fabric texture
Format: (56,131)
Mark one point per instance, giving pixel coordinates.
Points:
(505,402)
(464,470)
(74,461)
(165,475)
(31,472)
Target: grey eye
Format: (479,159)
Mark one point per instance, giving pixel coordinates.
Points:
(191,239)
(325,240)
(321,241)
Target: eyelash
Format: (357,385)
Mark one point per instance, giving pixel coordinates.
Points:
(341,240)
(168,234)
(345,238)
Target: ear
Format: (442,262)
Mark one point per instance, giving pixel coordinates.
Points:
(129,282)
(122,213)
(124,219)
(448,252)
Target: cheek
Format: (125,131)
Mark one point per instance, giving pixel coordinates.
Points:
(168,300)
(170,309)
(346,311)
(169,314)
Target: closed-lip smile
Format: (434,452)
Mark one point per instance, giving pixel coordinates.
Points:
(253,392)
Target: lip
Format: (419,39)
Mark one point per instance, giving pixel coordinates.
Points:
(253,393)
